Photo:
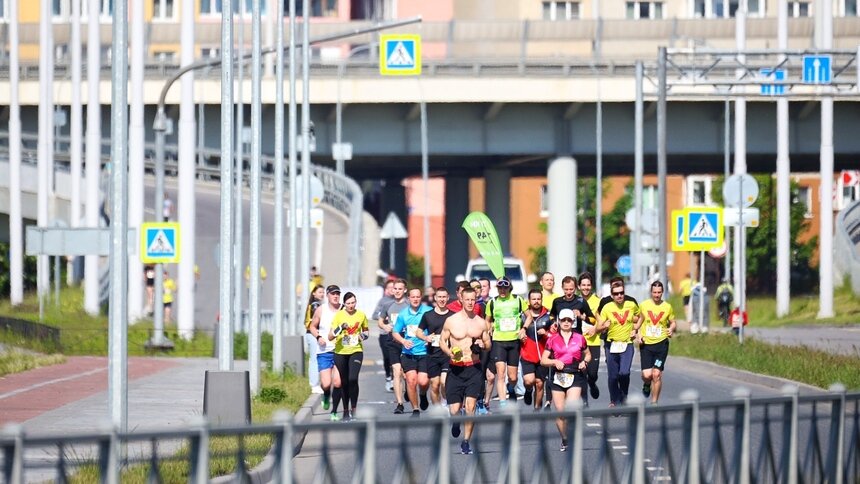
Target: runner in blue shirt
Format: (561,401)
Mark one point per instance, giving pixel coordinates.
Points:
(413,359)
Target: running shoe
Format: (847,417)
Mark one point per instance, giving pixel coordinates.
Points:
(455,430)
(481,409)
(646,390)
(398,409)
(595,392)
(424,402)
(326,401)
(389,384)
(503,403)
(333,417)
(416,413)
(465,448)
(527,398)
(563,445)
(347,417)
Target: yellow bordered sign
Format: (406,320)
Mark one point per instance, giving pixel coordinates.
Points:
(400,55)
(159,242)
(696,229)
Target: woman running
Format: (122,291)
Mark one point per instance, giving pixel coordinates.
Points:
(567,353)
(348,329)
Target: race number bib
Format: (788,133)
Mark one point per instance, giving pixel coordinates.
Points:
(350,339)
(653,331)
(508,324)
(410,331)
(434,340)
(564,380)
(618,347)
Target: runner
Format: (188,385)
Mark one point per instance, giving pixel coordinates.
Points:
(534,374)
(314,301)
(505,313)
(617,319)
(348,330)
(413,358)
(386,324)
(547,284)
(381,312)
(567,353)
(464,336)
(653,339)
(431,326)
(589,330)
(569,300)
(320,327)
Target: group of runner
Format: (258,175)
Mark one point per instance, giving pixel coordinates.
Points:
(458,352)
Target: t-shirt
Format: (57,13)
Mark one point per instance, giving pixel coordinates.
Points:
(394,309)
(432,323)
(621,319)
(608,299)
(570,352)
(169,287)
(593,302)
(407,325)
(381,308)
(309,314)
(457,306)
(533,346)
(507,317)
(547,298)
(575,304)
(326,318)
(348,341)
(655,327)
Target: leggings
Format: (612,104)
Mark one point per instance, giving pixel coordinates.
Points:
(593,365)
(384,341)
(348,366)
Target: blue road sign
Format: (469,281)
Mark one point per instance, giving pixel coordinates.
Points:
(400,54)
(160,243)
(776,75)
(703,227)
(817,69)
(624,265)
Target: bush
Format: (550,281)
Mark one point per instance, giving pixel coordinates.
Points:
(272,395)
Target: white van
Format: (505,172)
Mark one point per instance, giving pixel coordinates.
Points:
(515,270)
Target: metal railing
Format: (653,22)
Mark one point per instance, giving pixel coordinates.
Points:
(785,439)
(847,247)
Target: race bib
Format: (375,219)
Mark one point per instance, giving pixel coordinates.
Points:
(434,340)
(653,331)
(508,324)
(350,339)
(564,380)
(618,347)
(410,331)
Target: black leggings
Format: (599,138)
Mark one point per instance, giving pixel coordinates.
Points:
(348,366)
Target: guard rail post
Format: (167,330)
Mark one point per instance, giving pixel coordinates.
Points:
(283,471)
(741,455)
(13,453)
(789,464)
(691,427)
(834,465)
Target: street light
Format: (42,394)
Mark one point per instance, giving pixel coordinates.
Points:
(339,151)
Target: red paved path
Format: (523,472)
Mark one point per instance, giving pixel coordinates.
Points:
(29,394)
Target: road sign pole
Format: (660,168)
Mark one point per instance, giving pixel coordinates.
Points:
(425,175)
(638,172)
(825,247)
(702,290)
(159,127)
(783,171)
(661,166)
(741,256)
(727,134)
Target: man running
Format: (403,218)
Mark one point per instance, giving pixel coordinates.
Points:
(320,328)
(618,318)
(510,319)
(569,300)
(534,374)
(655,326)
(589,330)
(547,285)
(431,326)
(413,358)
(386,325)
(464,336)
(381,312)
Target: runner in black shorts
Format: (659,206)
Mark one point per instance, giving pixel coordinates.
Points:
(386,325)
(509,319)
(432,323)
(534,375)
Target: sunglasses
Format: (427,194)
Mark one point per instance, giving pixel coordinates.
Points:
(567,320)
(503,284)
(335,292)
(615,293)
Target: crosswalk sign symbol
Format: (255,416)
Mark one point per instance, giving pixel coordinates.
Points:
(400,55)
(160,242)
(703,228)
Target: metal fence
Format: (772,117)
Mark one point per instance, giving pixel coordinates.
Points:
(847,247)
(785,439)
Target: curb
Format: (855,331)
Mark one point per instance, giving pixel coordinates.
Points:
(264,470)
(742,375)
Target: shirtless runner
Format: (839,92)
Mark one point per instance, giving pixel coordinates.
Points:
(464,336)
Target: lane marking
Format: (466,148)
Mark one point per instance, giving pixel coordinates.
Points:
(51,382)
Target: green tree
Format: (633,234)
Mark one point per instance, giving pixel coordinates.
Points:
(761,241)
(29,271)
(414,270)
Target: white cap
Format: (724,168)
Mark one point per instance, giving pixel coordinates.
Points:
(565,314)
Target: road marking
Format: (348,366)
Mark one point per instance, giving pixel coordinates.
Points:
(50,382)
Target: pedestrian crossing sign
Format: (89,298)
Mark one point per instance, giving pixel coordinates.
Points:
(400,55)
(702,229)
(160,242)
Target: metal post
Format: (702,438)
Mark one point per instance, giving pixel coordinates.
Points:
(638,175)
(783,186)
(825,246)
(46,139)
(94,153)
(16,227)
(76,119)
(225,290)
(135,155)
(338,130)
(239,206)
(741,258)
(254,220)
(598,212)
(292,128)
(56,280)
(278,347)
(160,128)
(740,127)
(186,195)
(727,133)
(425,176)
(702,327)
(118,314)
(305,189)
(661,163)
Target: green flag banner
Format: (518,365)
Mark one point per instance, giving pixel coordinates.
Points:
(483,234)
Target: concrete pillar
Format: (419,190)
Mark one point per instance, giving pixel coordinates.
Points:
(561,245)
(456,239)
(497,203)
(394,200)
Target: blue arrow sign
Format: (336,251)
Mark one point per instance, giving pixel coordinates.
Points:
(776,75)
(817,69)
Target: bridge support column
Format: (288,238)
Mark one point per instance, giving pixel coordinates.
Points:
(497,203)
(456,239)
(561,245)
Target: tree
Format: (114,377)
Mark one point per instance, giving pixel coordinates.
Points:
(414,270)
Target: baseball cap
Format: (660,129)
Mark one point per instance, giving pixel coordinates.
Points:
(565,314)
(333,288)
(503,281)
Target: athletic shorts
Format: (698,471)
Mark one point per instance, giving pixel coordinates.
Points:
(464,382)
(579,380)
(394,351)
(325,361)
(506,351)
(686,300)
(414,363)
(536,368)
(437,363)
(654,355)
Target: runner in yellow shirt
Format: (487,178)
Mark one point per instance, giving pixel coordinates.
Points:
(589,330)
(655,326)
(547,290)
(348,329)
(617,318)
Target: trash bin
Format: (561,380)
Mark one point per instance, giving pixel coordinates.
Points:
(697,325)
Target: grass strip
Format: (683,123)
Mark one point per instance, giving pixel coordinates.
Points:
(797,363)
(16,361)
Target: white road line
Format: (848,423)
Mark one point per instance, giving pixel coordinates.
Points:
(50,382)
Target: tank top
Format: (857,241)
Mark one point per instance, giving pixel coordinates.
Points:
(326,316)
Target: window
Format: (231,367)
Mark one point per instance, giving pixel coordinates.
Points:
(544,201)
(724,8)
(560,10)
(644,10)
(63,9)
(210,52)
(649,197)
(213,7)
(803,196)
(799,9)
(165,57)
(163,10)
(698,190)
(849,8)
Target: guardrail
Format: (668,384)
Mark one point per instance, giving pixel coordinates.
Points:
(847,247)
(788,439)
